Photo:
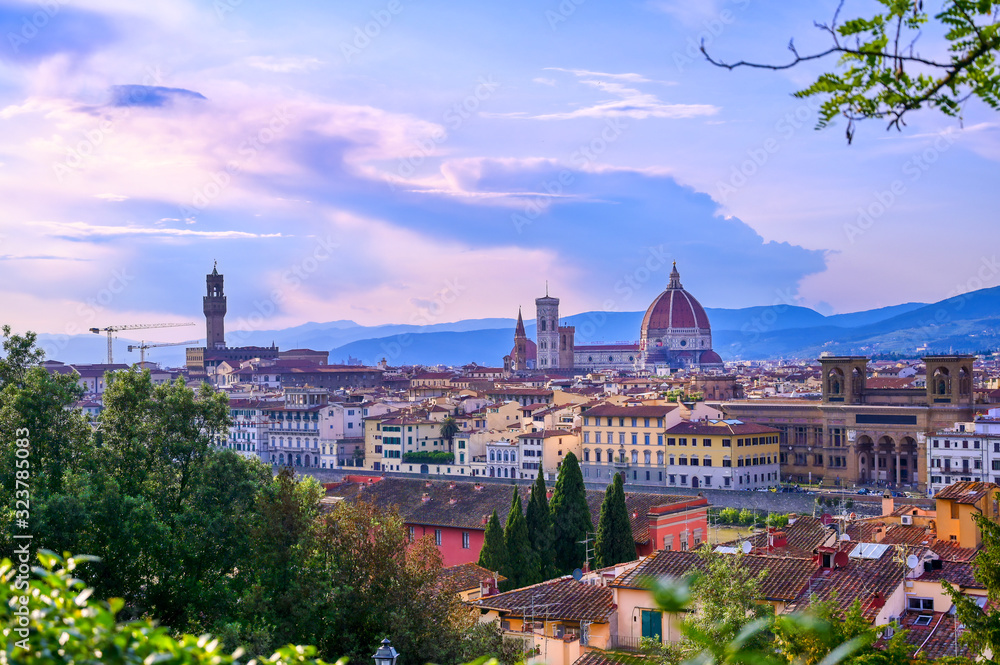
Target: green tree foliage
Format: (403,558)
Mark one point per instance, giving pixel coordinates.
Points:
(614,542)
(77,628)
(522,566)
(540,531)
(982,628)
(570,515)
(729,516)
(882,74)
(493,556)
(449,428)
(747,517)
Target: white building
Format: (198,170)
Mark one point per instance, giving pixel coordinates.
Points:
(970,452)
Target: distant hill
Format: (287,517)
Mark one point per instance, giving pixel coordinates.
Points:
(966,323)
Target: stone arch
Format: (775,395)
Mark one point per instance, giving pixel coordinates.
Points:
(835,381)
(964,381)
(941,381)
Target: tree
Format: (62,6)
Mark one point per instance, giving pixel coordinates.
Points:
(493,556)
(614,542)
(727,600)
(982,628)
(571,518)
(522,568)
(449,428)
(883,75)
(97,633)
(539,520)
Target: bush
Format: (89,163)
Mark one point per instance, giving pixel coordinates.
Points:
(433,457)
(729,516)
(68,625)
(777,521)
(747,517)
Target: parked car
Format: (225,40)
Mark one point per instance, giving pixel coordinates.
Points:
(863,490)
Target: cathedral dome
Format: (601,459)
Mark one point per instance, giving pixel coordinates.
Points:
(675,309)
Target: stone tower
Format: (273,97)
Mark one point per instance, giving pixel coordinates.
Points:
(547,332)
(519,361)
(215,311)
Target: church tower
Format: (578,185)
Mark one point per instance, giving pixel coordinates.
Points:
(520,358)
(547,332)
(215,311)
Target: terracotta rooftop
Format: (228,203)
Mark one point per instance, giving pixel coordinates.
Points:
(598,657)
(720,427)
(933,641)
(464,577)
(614,411)
(950,551)
(958,573)
(802,537)
(785,579)
(966,491)
(562,599)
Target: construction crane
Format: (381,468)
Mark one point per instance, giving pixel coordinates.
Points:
(111,330)
(142,346)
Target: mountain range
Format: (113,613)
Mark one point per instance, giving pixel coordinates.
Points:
(966,323)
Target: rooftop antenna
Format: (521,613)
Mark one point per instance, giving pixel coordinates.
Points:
(546,288)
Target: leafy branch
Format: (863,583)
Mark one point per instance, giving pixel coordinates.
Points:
(882,74)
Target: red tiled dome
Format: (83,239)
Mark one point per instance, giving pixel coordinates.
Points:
(710,358)
(531,350)
(675,308)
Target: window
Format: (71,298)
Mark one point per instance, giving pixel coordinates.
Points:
(918,604)
(465,540)
(413,534)
(727,443)
(437,537)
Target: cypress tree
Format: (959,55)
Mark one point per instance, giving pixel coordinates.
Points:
(571,521)
(493,556)
(522,562)
(614,543)
(540,527)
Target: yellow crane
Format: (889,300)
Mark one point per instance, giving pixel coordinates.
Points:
(111,330)
(142,346)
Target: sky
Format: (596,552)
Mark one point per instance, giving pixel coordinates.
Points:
(413,161)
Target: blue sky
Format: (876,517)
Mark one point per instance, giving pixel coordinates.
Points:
(397,161)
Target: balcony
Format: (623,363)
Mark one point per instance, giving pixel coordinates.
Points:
(625,643)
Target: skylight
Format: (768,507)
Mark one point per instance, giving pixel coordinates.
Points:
(869,551)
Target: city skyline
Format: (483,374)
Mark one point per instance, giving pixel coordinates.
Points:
(391,161)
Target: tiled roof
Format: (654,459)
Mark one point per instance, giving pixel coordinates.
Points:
(544,434)
(869,581)
(966,491)
(785,580)
(472,507)
(562,599)
(899,534)
(802,537)
(598,657)
(941,638)
(958,573)
(950,551)
(463,577)
(615,411)
(720,427)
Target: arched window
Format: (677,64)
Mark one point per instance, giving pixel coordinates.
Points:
(597,456)
(611,456)
(635,457)
(492,459)
(659,457)
(506,456)
(586,455)
(647,457)
(513,456)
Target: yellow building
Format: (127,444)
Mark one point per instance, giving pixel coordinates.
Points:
(557,620)
(957,504)
(632,439)
(544,451)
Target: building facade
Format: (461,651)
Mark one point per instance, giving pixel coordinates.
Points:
(861,435)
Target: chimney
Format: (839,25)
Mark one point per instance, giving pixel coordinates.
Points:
(477,487)
(452,501)
(779,539)
(548,494)
(888,504)
(429,483)
(486,519)
(426,497)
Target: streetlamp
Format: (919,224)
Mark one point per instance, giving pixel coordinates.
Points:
(386,655)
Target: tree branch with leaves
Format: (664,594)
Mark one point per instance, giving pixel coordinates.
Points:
(882,74)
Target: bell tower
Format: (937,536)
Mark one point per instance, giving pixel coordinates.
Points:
(215,311)
(547,331)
